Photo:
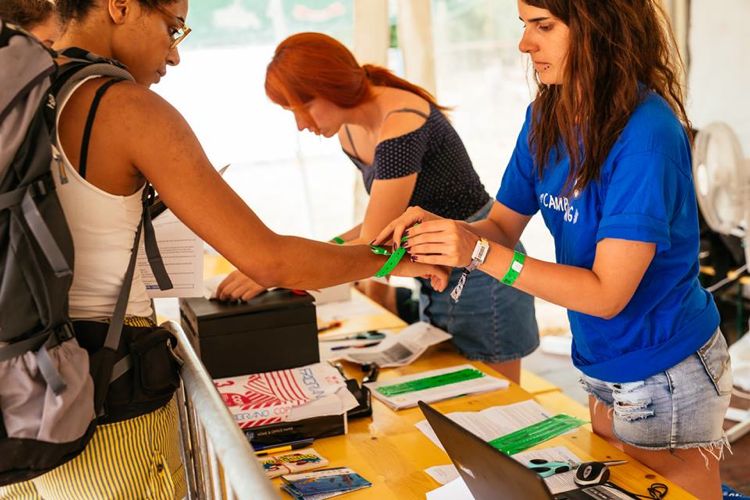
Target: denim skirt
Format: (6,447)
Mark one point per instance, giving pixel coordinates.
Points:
(492,322)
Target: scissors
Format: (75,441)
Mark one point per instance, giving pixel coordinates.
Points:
(546,468)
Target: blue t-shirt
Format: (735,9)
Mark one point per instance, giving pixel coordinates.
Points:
(645,193)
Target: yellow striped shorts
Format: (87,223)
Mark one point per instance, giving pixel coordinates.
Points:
(137,458)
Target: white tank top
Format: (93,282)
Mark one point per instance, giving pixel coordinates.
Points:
(103,227)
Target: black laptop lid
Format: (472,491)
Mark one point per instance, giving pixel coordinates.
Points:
(488,473)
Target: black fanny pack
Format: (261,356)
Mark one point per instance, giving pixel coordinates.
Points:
(154,372)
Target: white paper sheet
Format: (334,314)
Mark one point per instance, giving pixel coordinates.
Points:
(455,490)
(394,350)
(557,483)
(410,399)
(182,253)
(493,422)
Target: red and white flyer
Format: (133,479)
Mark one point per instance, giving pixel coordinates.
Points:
(286,395)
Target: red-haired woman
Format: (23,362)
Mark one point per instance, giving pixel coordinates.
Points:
(604,155)
(396,134)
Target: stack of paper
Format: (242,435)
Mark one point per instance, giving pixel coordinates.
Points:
(492,422)
(434,385)
(510,428)
(322,484)
(286,395)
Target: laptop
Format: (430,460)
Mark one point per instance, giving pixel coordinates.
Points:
(491,474)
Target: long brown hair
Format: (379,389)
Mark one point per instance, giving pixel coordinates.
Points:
(310,65)
(615,46)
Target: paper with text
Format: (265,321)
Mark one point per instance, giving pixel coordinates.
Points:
(182,253)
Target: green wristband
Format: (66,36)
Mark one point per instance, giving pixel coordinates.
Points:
(338,240)
(516,265)
(379,250)
(391,263)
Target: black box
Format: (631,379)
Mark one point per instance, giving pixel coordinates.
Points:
(286,432)
(274,331)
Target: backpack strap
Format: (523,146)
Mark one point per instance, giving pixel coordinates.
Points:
(113,370)
(90,123)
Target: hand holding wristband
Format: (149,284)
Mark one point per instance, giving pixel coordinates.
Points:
(393,259)
(516,265)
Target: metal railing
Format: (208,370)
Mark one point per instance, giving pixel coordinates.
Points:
(219,462)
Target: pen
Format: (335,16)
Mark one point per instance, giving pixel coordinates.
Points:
(340,347)
(369,335)
(294,445)
(329,326)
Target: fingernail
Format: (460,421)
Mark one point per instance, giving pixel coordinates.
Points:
(372,242)
(412,258)
(416,259)
(406,244)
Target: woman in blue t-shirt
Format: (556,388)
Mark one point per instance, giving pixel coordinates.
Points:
(396,135)
(604,155)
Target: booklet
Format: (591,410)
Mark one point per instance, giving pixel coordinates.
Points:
(396,349)
(323,483)
(291,462)
(434,385)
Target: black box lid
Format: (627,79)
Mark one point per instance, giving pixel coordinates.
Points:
(279,298)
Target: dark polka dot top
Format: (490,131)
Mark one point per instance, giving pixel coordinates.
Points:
(447,184)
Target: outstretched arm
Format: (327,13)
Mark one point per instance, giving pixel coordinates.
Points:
(160,144)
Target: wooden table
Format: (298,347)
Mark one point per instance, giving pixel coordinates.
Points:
(392,453)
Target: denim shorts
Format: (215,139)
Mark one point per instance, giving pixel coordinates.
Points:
(491,322)
(682,407)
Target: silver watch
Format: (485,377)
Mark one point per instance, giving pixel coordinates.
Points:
(478,256)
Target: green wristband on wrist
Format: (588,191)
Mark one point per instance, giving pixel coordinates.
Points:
(516,265)
(338,240)
(391,263)
(379,250)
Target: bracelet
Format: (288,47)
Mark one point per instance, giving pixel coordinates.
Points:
(391,263)
(338,240)
(516,265)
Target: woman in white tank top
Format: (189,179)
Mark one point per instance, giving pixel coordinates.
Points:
(136,135)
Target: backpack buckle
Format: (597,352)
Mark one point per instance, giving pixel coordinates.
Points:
(65,333)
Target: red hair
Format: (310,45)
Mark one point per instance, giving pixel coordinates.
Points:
(310,65)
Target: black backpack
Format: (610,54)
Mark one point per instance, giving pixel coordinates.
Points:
(51,389)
